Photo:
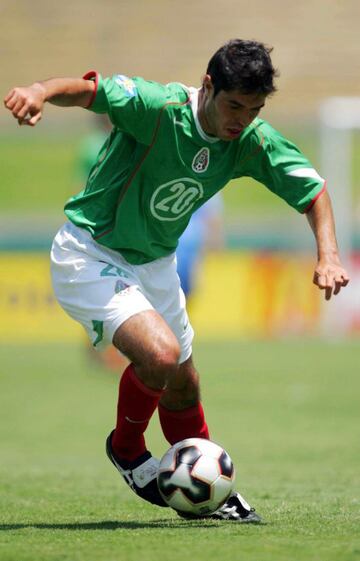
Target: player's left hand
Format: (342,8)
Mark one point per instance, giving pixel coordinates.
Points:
(330,276)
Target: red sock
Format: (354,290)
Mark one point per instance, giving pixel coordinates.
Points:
(136,405)
(187,423)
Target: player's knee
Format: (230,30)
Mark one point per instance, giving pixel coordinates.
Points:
(190,394)
(160,364)
(165,358)
(183,390)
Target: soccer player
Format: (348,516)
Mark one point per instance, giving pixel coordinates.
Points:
(171,149)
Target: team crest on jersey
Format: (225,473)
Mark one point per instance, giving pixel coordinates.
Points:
(201,160)
(127,84)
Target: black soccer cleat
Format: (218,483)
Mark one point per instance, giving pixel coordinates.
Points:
(140,474)
(238,510)
(235,509)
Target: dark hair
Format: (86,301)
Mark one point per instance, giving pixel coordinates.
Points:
(242,65)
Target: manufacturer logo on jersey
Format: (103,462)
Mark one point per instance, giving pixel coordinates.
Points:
(201,160)
(127,84)
(176,198)
(120,286)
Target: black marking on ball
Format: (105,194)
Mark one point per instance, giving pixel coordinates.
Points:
(226,465)
(202,493)
(167,488)
(188,455)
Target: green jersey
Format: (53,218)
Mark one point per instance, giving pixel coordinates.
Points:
(158,166)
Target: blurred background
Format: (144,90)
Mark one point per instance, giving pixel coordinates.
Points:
(260,267)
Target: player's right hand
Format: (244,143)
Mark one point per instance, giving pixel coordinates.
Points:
(26,103)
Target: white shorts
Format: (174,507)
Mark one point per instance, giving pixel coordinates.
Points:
(99,289)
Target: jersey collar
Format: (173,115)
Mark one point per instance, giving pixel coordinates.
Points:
(194,99)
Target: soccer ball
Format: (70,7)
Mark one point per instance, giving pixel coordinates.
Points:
(196,476)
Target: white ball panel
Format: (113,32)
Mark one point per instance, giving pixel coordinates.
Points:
(222,490)
(167,461)
(209,448)
(206,469)
(178,501)
(181,477)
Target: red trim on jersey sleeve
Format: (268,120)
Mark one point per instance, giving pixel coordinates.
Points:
(94,76)
(311,204)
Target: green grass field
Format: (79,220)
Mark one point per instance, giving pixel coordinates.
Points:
(287,412)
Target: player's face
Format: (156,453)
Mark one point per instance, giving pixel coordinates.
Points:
(228,113)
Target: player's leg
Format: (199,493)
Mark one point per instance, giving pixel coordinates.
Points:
(180,410)
(103,292)
(182,416)
(153,350)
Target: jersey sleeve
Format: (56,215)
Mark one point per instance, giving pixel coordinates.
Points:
(278,164)
(133,104)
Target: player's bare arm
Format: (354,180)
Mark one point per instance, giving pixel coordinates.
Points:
(329,273)
(27,103)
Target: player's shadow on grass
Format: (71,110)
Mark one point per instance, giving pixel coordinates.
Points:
(111,525)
